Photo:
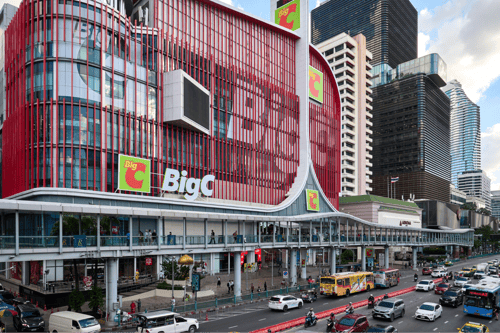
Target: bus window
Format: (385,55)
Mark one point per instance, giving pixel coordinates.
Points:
(339,282)
(347,282)
(369,278)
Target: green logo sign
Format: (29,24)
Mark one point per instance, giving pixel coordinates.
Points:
(288,16)
(315,84)
(134,174)
(312,197)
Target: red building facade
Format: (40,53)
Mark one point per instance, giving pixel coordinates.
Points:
(86,82)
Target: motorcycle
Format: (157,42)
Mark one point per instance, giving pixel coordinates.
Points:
(415,278)
(330,326)
(310,321)
(371,305)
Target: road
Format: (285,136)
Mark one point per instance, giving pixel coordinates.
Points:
(256,316)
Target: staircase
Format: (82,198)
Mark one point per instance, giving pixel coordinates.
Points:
(128,293)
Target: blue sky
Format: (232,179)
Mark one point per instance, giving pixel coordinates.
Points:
(466,33)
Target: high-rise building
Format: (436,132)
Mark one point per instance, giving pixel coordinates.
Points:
(6,14)
(411,133)
(390,26)
(350,61)
(495,204)
(465,131)
(476,184)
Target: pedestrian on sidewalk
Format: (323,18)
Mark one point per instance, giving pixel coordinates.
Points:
(251,288)
(229,286)
(232,286)
(132,307)
(265,286)
(139,305)
(495,312)
(173,304)
(218,282)
(406,265)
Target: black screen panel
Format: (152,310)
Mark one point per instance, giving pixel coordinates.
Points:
(196,104)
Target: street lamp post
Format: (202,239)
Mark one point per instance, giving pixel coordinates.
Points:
(172,261)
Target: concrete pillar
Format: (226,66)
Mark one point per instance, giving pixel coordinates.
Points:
(303,259)
(414,257)
(293,266)
(456,251)
(135,267)
(363,259)
(44,276)
(237,274)
(25,277)
(333,260)
(386,257)
(112,286)
(251,257)
(159,260)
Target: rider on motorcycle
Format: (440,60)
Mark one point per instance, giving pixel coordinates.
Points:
(371,299)
(350,308)
(386,296)
(311,313)
(415,276)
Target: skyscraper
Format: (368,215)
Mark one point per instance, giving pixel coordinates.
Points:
(465,131)
(390,26)
(411,134)
(350,61)
(476,184)
(495,204)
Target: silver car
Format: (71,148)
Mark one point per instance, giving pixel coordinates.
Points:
(389,309)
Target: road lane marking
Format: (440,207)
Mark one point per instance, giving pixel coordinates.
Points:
(446,322)
(433,329)
(286,313)
(262,319)
(233,326)
(490,321)
(325,303)
(400,322)
(456,315)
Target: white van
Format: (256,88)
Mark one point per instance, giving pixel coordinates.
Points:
(67,321)
(166,322)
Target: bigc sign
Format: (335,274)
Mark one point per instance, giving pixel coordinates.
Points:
(173,182)
(288,16)
(312,197)
(315,84)
(134,174)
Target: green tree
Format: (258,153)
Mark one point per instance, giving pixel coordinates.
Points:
(96,298)
(469,206)
(346,257)
(76,300)
(484,211)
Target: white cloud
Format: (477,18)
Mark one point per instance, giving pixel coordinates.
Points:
(240,7)
(229,2)
(467,36)
(491,154)
(318,3)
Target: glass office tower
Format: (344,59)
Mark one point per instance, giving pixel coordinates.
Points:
(465,135)
(411,136)
(390,26)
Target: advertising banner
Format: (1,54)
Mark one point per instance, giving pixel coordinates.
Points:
(312,200)
(149,261)
(195,282)
(87,282)
(369,252)
(315,84)
(258,252)
(288,15)
(134,174)
(80,241)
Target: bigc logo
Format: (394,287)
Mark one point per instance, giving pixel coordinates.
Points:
(134,174)
(312,197)
(315,84)
(369,252)
(173,182)
(288,16)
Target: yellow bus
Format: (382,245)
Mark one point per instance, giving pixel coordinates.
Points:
(346,283)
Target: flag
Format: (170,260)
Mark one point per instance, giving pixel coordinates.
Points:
(394,179)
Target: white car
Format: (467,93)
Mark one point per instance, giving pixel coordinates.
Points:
(442,268)
(438,273)
(426,285)
(461,281)
(429,311)
(285,302)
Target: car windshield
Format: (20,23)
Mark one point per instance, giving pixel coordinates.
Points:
(427,307)
(461,279)
(31,314)
(386,305)
(471,329)
(275,299)
(347,321)
(450,293)
(84,323)
(442,285)
(423,282)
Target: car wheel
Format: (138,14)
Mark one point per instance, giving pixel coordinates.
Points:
(192,329)
(300,305)
(403,313)
(285,308)
(433,319)
(347,292)
(455,305)
(392,317)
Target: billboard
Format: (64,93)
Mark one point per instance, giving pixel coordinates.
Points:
(288,15)
(134,174)
(315,84)
(312,200)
